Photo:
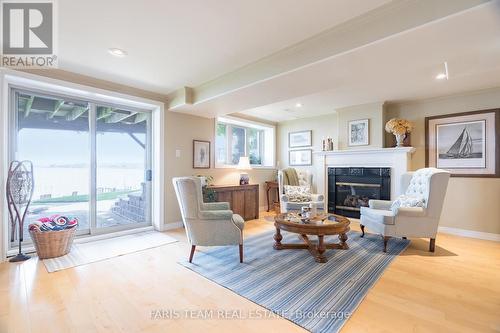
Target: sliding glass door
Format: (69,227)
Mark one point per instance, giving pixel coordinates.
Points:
(123,182)
(90,161)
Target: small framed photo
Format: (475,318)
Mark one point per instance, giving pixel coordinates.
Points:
(201,154)
(466,144)
(300,139)
(359,132)
(300,157)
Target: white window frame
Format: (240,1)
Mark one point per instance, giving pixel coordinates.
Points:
(268,130)
(10,78)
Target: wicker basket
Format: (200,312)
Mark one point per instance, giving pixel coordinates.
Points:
(52,244)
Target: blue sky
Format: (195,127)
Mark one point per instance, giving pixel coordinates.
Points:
(47,147)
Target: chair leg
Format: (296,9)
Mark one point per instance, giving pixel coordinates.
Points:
(404,238)
(241,253)
(432,245)
(362,230)
(193,247)
(386,239)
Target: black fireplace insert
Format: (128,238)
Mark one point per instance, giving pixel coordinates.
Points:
(349,189)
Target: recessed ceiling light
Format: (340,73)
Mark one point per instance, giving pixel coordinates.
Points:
(117,52)
(442,76)
(298,105)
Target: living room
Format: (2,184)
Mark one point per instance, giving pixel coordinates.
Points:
(288,165)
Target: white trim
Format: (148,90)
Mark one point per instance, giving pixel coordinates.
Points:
(174,225)
(10,77)
(470,233)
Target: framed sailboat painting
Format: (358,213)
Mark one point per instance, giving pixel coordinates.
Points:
(467,144)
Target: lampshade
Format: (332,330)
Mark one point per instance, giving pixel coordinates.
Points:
(244,163)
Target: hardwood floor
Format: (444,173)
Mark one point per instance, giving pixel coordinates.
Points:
(455,289)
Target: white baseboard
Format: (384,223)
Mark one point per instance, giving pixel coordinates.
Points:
(470,233)
(170,226)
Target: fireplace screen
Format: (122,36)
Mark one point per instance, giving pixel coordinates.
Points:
(352,196)
(349,189)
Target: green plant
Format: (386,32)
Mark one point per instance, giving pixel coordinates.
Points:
(209,194)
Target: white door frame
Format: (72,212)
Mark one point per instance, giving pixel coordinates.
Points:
(28,81)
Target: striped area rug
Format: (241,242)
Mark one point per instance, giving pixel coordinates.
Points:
(317,297)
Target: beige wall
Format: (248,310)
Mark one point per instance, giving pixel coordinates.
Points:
(334,125)
(471,203)
(373,112)
(181,129)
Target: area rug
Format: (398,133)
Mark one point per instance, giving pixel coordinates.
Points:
(317,297)
(86,253)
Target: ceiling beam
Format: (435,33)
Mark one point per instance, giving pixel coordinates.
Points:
(29,104)
(76,113)
(104,113)
(392,19)
(140,117)
(57,107)
(117,117)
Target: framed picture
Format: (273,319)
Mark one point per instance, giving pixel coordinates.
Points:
(359,132)
(300,139)
(467,144)
(300,157)
(201,154)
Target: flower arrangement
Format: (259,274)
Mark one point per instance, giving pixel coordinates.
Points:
(399,127)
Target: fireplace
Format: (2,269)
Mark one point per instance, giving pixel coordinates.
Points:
(349,189)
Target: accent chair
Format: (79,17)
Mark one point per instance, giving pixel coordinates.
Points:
(207,224)
(421,221)
(305,178)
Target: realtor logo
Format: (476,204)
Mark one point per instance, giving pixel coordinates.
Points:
(28,34)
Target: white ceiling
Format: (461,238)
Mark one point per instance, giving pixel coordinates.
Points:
(179,43)
(401,68)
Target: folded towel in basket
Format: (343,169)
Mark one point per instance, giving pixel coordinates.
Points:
(54,223)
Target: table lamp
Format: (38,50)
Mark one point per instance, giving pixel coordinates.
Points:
(244,164)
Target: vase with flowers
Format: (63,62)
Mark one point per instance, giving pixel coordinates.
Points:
(400,128)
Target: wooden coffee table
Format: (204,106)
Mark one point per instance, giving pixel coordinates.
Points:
(328,224)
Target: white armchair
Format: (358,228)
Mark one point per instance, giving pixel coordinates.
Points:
(305,179)
(418,222)
(207,224)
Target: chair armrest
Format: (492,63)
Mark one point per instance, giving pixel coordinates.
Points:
(216,206)
(317,197)
(380,204)
(411,211)
(215,214)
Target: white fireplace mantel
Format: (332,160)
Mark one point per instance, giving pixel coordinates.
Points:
(398,159)
(396,150)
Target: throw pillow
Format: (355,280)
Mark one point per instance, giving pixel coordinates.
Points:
(298,193)
(407,201)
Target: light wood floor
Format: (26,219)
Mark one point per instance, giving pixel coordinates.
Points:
(456,289)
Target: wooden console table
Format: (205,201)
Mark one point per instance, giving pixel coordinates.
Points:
(243,199)
(270,185)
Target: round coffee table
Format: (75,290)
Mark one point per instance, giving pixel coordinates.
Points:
(321,226)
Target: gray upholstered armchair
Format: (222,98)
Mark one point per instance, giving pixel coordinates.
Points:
(207,224)
(382,217)
(305,178)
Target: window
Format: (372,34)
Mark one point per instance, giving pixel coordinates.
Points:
(91,161)
(236,137)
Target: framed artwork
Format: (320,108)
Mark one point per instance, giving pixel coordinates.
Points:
(359,132)
(300,157)
(467,144)
(300,139)
(201,154)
